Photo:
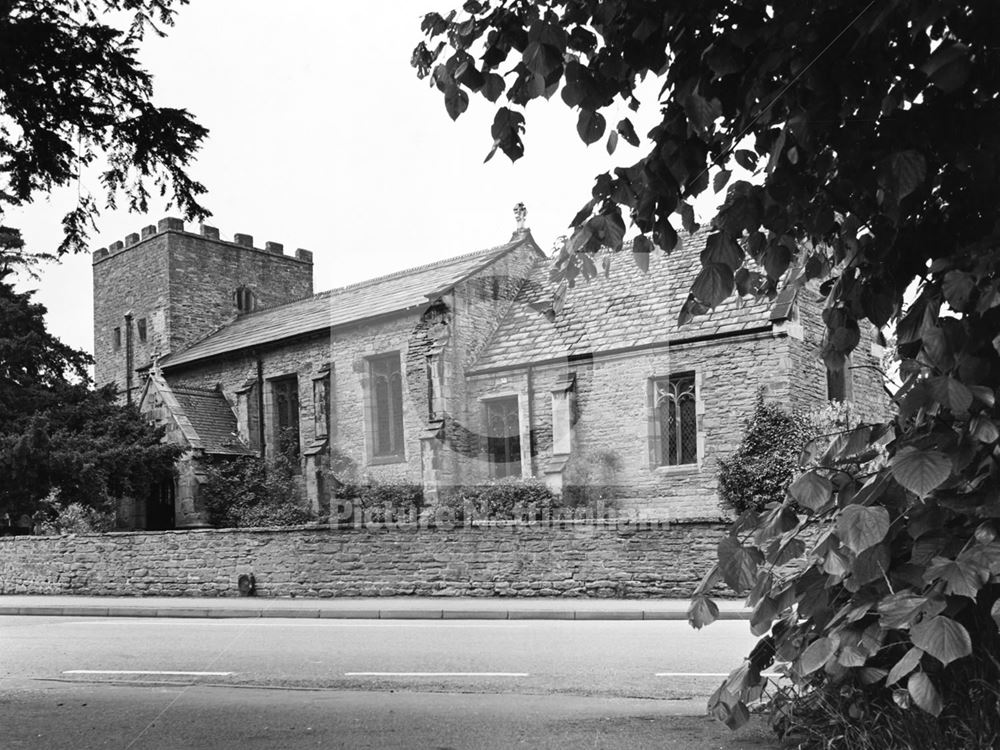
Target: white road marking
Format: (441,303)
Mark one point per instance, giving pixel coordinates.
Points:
(435,674)
(148,671)
(708,674)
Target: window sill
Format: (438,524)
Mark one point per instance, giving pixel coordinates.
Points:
(678,469)
(383,460)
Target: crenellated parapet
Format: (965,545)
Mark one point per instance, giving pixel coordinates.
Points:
(173,224)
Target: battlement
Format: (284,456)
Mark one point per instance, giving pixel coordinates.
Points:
(172,224)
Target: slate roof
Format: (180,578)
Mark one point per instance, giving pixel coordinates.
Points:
(394,292)
(624,309)
(212,420)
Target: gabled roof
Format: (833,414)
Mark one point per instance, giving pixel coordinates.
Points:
(395,292)
(622,309)
(203,417)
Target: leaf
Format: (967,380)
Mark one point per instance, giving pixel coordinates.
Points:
(687,218)
(811,490)
(701,113)
(908,170)
(493,86)
(714,284)
(920,471)
(870,565)
(590,125)
(924,694)
(721,248)
(983,429)
(702,611)
(957,287)
(612,142)
(951,393)
(720,179)
(871,675)
(942,638)
(816,655)
(780,554)
(746,159)
(738,564)
(948,68)
(626,131)
(642,246)
(456,101)
(860,528)
(962,578)
(542,59)
(506,129)
(902,609)
(904,666)
(763,615)
(723,58)
(995,612)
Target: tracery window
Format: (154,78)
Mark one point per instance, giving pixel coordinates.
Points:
(675,420)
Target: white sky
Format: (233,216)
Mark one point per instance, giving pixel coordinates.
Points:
(322,137)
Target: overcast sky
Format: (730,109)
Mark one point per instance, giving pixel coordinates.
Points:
(323,138)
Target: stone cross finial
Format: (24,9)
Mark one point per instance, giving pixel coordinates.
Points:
(520,212)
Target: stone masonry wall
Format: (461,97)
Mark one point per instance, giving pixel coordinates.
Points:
(614,409)
(574,559)
(868,397)
(182,287)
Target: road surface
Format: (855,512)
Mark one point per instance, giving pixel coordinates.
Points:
(165,683)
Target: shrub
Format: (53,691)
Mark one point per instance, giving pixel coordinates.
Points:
(73,518)
(385,503)
(249,492)
(760,470)
(501,500)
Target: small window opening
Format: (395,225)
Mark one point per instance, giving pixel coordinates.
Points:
(117,339)
(244,299)
(140,327)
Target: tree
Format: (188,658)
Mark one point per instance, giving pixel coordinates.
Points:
(56,434)
(72,92)
(872,129)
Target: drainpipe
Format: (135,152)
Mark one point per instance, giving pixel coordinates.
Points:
(128,358)
(260,404)
(531,419)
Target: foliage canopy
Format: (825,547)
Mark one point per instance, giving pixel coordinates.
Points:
(73,94)
(873,129)
(56,434)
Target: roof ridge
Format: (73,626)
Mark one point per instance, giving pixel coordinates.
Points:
(364,282)
(190,390)
(426,266)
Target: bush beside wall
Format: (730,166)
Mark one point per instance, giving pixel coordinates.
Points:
(570,559)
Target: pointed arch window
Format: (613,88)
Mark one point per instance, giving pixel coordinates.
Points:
(675,420)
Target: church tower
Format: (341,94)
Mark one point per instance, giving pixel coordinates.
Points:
(161,290)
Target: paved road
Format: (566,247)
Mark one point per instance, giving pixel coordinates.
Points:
(362,683)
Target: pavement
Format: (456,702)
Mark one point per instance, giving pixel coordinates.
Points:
(377,608)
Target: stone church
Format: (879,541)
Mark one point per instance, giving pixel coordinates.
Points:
(454,372)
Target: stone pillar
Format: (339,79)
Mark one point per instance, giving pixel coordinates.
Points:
(431,450)
(188,512)
(563,408)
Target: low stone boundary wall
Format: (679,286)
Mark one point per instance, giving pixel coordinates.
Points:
(568,559)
